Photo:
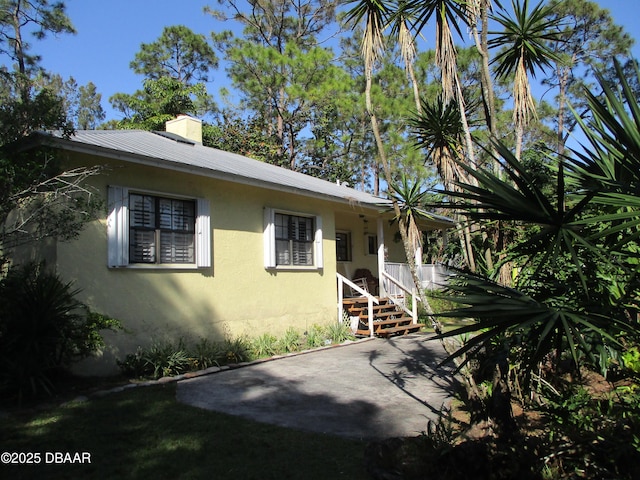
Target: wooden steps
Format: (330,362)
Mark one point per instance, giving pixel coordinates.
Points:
(388,319)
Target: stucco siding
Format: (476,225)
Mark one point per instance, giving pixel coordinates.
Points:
(236,296)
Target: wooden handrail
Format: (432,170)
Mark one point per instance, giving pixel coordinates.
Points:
(414,297)
(370,299)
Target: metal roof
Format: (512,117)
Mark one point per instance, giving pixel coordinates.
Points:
(175,153)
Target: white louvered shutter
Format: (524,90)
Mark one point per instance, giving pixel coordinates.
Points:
(203,233)
(118,227)
(269,238)
(317,247)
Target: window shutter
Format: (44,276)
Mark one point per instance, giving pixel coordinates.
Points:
(269,238)
(317,248)
(203,233)
(118,227)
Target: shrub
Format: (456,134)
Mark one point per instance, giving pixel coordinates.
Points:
(166,359)
(596,435)
(134,365)
(43,330)
(339,332)
(207,354)
(315,336)
(291,341)
(236,350)
(161,359)
(265,345)
(631,361)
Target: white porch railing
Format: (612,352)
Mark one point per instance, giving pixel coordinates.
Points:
(342,281)
(395,278)
(431,276)
(400,295)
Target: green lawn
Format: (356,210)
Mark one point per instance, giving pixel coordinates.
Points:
(144,433)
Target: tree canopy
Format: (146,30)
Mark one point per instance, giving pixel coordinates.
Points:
(43,200)
(178,53)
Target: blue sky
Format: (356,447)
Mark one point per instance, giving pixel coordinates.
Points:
(110,33)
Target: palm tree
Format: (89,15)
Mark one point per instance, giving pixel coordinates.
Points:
(376,13)
(438,129)
(478,13)
(411,199)
(401,31)
(577,291)
(446,13)
(525,48)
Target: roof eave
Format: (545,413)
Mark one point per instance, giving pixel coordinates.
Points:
(69,145)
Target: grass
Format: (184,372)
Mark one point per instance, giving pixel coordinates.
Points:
(144,433)
(441,305)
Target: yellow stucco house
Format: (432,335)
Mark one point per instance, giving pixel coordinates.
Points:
(198,242)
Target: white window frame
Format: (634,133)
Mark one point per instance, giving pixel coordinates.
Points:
(349,245)
(270,241)
(118,230)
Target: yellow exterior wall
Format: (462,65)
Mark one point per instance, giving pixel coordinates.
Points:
(237,296)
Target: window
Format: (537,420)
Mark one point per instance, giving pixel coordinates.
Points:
(149,229)
(161,230)
(371,244)
(292,240)
(343,246)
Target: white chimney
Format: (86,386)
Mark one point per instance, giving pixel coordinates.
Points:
(187,127)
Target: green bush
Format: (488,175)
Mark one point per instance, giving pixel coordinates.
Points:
(631,361)
(265,345)
(290,342)
(166,358)
(161,359)
(600,431)
(236,350)
(207,354)
(43,330)
(339,332)
(316,336)
(134,365)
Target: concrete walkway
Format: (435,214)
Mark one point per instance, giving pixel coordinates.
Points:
(369,389)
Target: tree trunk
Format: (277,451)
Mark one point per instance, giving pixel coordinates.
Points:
(519,139)
(486,81)
(416,90)
(471,259)
(23,84)
(563,78)
(499,407)
(396,208)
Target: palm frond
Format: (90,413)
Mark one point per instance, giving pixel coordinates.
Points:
(401,30)
(438,129)
(422,11)
(609,167)
(516,198)
(525,38)
(499,310)
(376,15)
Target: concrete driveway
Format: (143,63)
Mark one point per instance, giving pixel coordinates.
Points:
(369,389)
